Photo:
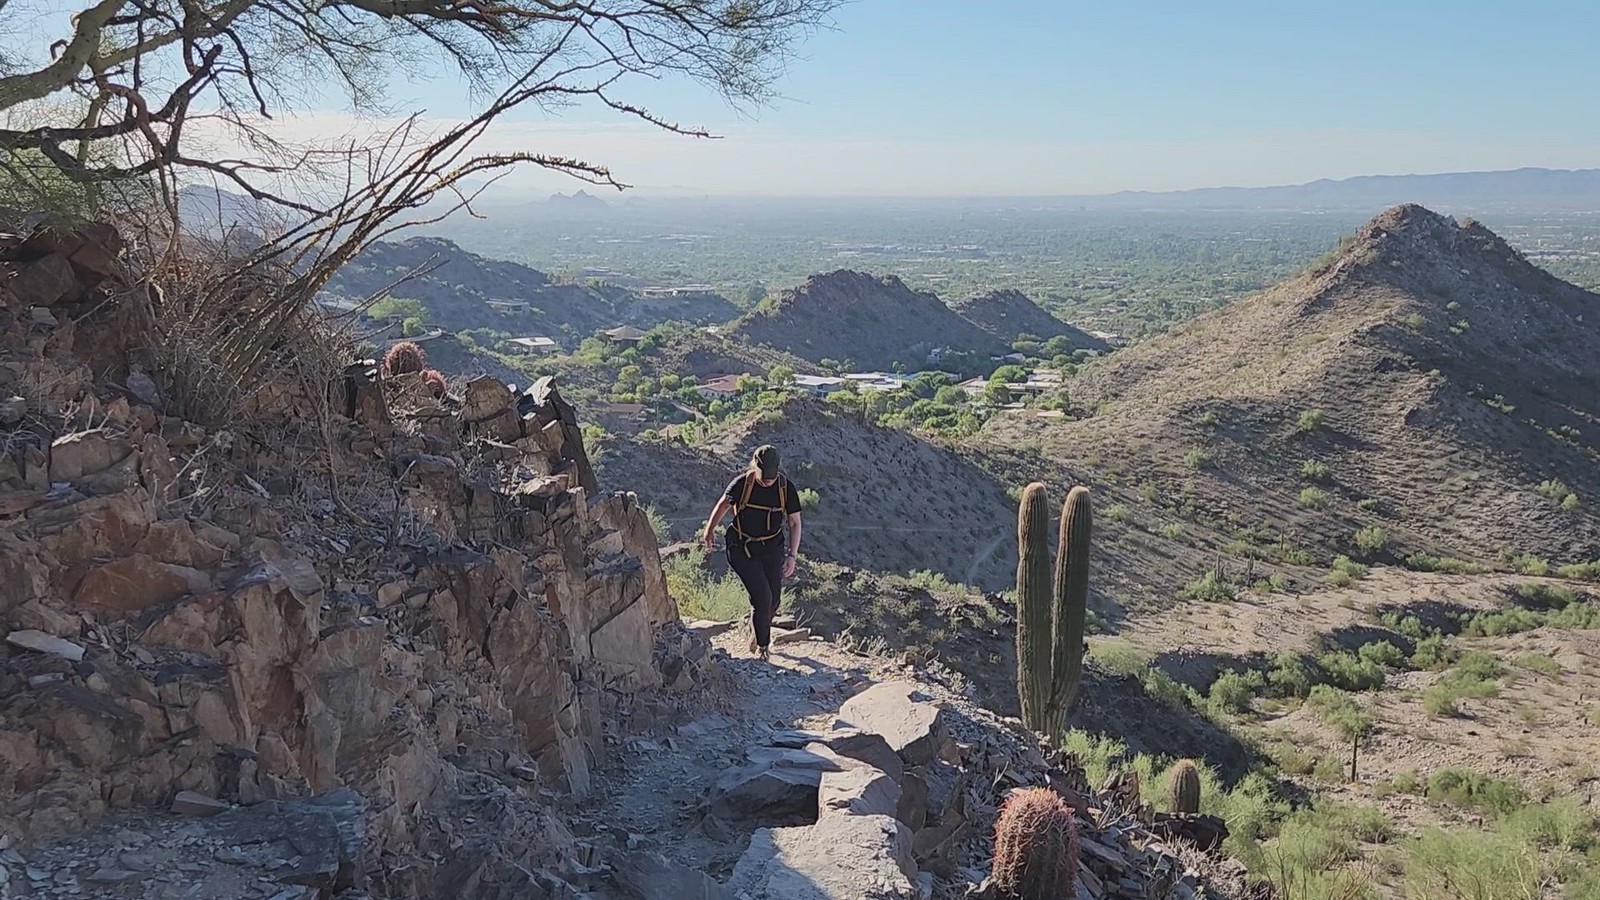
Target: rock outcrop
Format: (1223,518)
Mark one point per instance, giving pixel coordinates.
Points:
(362,593)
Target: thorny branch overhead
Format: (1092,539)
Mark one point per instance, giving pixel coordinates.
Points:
(147,75)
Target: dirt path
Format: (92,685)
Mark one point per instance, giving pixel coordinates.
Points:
(651,795)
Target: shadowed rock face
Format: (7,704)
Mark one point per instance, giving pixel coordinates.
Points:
(247,617)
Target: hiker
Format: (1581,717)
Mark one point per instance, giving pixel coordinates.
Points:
(763,539)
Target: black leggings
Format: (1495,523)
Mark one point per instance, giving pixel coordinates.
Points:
(761,570)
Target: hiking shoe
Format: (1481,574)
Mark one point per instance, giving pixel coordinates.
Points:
(764,654)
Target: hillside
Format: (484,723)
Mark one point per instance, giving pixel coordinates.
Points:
(456,286)
(1009,313)
(874,323)
(889,501)
(1426,384)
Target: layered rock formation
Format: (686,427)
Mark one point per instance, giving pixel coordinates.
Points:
(346,587)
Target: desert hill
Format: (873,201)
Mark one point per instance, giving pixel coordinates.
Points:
(1426,384)
(1009,313)
(874,323)
(456,286)
(889,500)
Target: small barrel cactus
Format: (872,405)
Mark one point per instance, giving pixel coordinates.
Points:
(404,358)
(1035,846)
(1186,787)
(435,382)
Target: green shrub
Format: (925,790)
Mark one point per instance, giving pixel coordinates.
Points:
(1119,657)
(1368,504)
(1548,596)
(1314,470)
(1345,571)
(1570,502)
(1313,498)
(1424,562)
(1554,489)
(1505,621)
(1472,865)
(699,595)
(1339,710)
(1289,675)
(1384,654)
(1350,672)
(1172,531)
(1233,691)
(1197,459)
(1372,540)
(1431,653)
(1116,512)
(1528,564)
(1464,787)
(1589,571)
(1403,624)
(1211,587)
(1310,420)
(1578,616)
(659,525)
(810,500)
(1472,678)
(1539,662)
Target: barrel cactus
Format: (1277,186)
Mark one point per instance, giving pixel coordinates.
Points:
(1051,612)
(1035,847)
(403,358)
(1185,787)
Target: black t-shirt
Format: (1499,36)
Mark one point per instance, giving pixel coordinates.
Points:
(759,524)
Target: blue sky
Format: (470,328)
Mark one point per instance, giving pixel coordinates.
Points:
(941,97)
(1008,97)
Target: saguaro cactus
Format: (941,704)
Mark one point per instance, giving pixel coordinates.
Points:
(1050,614)
(1185,787)
(1035,847)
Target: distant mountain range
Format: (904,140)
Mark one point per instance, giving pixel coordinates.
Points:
(1525,189)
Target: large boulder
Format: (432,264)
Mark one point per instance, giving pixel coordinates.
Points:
(838,858)
(857,791)
(913,725)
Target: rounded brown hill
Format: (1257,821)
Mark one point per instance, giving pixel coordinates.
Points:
(1008,314)
(871,322)
(1426,381)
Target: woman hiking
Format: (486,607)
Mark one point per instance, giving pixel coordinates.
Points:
(763,539)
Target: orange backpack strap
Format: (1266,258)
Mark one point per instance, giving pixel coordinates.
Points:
(749,485)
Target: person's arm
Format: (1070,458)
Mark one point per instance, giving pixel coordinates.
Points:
(794,535)
(791,505)
(717,512)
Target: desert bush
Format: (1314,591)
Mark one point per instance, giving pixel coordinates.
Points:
(1504,621)
(1372,540)
(1117,512)
(1554,489)
(1315,470)
(1528,564)
(659,525)
(1314,498)
(1119,657)
(1384,654)
(1172,531)
(1310,420)
(1197,459)
(1233,691)
(1473,677)
(810,500)
(1424,562)
(1289,675)
(1589,571)
(701,596)
(1212,587)
(1472,865)
(1350,672)
(1539,662)
(1465,787)
(1431,653)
